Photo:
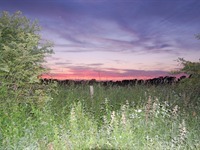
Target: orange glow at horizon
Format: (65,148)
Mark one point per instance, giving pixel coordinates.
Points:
(89,77)
(104,75)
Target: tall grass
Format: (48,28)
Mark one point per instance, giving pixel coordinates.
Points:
(137,117)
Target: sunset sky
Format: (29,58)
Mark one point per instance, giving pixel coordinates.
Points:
(114,39)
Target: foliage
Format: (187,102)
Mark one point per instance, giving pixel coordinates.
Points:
(22,55)
(68,123)
(190,87)
(137,117)
(191,68)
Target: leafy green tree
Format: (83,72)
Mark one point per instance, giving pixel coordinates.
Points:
(22,54)
(190,68)
(190,87)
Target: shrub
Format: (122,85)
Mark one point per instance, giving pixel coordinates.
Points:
(190,87)
(22,55)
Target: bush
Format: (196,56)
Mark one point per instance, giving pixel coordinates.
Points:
(190,86)
(22,55)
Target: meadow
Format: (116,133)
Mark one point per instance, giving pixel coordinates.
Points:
(131,117)
(36,116)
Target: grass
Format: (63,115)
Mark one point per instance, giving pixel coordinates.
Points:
(137,117)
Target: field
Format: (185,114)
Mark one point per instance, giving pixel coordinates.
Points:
(37,115)
(131,117)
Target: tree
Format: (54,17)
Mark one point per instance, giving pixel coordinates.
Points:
(190,87)
(22,55)
(190,68)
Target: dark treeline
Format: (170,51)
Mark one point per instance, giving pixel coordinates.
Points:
(154,81)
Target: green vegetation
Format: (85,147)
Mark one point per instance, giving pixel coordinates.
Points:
(22,55)
(130,117)
(190,87)
(116,118)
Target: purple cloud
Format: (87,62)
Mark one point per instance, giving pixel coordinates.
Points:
(118,36)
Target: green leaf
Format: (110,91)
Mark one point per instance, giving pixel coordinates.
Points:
(4,68)
(34,79)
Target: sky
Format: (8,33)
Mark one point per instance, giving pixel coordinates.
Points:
(114,39)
